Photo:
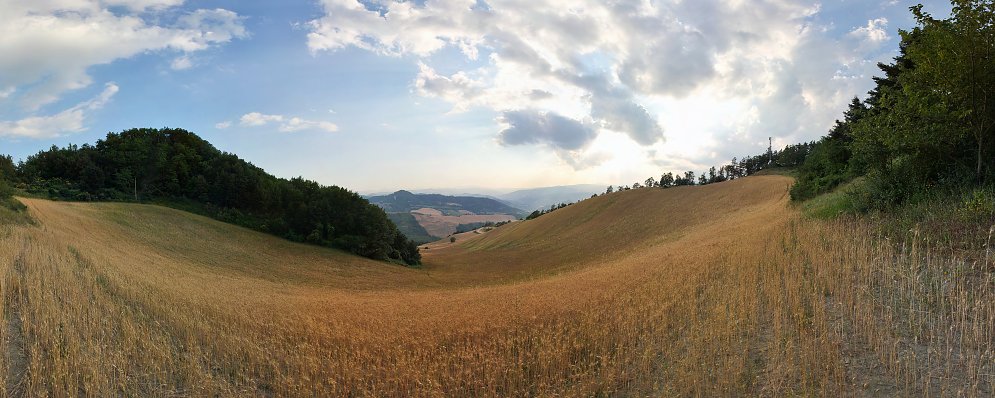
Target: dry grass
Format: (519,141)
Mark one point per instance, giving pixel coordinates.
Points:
(716,290)
(438,224)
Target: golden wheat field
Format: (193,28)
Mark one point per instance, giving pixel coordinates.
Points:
(719,290)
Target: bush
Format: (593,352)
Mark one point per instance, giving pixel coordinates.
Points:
(5,190)
(11,210)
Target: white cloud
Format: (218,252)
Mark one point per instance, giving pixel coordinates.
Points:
(286,124)
(70,120)
(181,63)
(48,46)
(298,124)
(611,63)
(459,89)
(203,28)
(223,125)
(874,32)
(142,5)
(252,119)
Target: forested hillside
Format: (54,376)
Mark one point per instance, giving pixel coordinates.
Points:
(178,168)
(409,226)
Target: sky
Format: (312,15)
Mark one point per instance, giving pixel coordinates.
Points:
(379,95)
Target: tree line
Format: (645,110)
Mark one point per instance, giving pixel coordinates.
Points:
(791,156)
(177,168)
(537,213)
(926,126)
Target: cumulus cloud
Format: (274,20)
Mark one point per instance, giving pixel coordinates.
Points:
(202,28)
(70,120)
(459,89)
(223,125)
(534,66)
(48,46)
(874,32)
(532,127)
(621,113)
(616,109)
(412,28)
(619,65)
(285,124)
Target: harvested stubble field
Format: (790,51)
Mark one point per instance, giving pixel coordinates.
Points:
(715,290)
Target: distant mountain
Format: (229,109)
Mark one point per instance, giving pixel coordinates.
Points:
(542,198)
(481,192)
(466,191)
(404,201)
(427,217)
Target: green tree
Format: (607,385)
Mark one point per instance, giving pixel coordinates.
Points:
(667,180)
(955,73)
(8,171)
(829,163)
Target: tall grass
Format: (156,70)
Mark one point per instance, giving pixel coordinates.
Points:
(758,301)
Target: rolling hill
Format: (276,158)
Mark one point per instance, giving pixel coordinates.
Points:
(404,202)
(690,291)
(427,217)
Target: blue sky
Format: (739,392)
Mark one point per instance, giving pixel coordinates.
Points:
(384,95)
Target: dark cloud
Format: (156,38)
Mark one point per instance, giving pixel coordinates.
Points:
(534,127)
(620,113)
(616,109)
(674,66)
(538,95)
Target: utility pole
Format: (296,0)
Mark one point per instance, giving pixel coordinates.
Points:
(770,151)
(136,190)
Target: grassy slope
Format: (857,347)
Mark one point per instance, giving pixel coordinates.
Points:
(611,227)
(13,211)
(692,291)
